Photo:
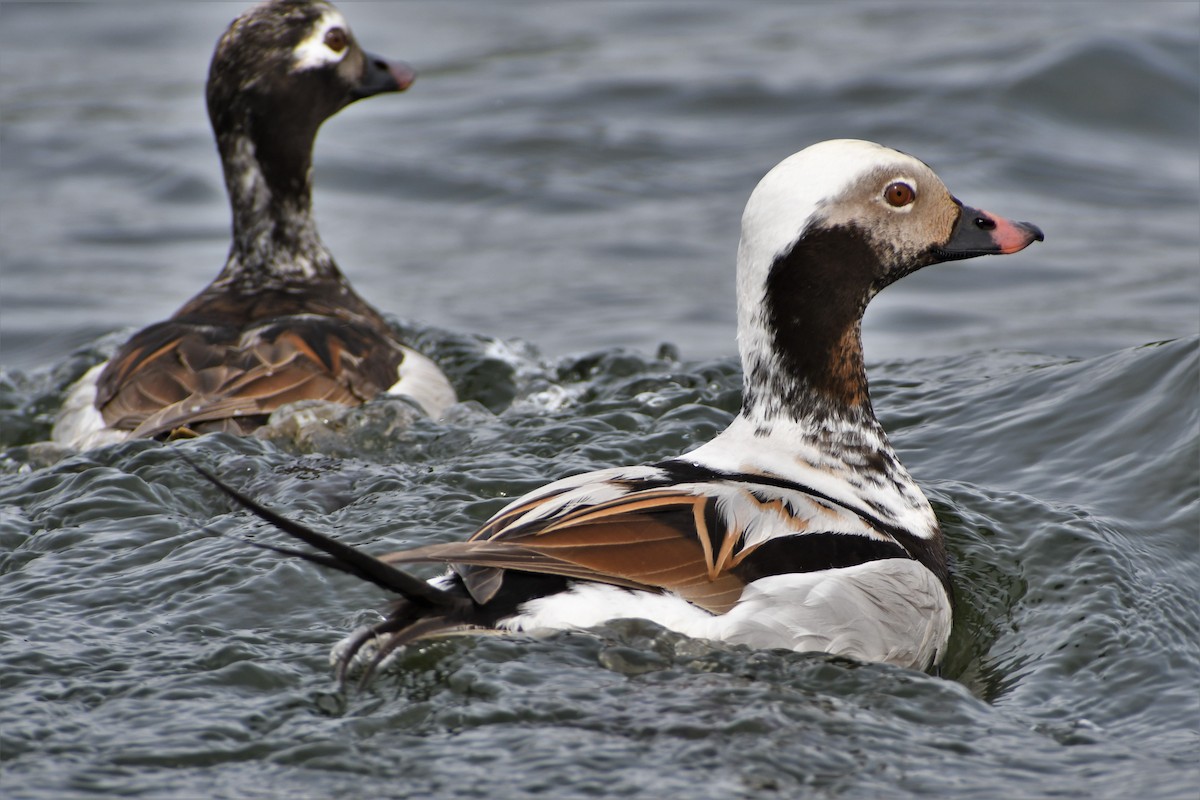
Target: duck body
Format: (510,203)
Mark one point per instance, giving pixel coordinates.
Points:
(797,527)
(743,557)
(280,323)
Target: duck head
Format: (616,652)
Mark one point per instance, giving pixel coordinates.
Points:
(822,233)
(288,65)
(279,71)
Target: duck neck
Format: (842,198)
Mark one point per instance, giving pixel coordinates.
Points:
(806,411)
(800,332)
(268,176)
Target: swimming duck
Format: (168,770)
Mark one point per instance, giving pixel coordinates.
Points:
(797,527)
(280,323)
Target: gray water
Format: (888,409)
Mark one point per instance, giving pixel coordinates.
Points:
(556,197)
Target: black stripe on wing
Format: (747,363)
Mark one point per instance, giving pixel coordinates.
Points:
(813,552)
(930,552)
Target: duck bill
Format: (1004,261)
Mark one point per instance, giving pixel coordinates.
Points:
(381,75)
(979,233)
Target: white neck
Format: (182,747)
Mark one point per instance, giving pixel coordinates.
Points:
(852,465)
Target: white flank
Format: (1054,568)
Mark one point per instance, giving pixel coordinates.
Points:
(420,379)
(892,610)
(79,424)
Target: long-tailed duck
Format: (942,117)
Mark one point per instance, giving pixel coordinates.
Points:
(797,527)
(280,323)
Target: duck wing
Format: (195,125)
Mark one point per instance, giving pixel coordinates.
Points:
(702,539)
(215,376)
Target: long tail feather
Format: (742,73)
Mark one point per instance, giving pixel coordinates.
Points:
(314,558)
(348,559)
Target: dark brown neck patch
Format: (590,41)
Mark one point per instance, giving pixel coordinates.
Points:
(815,298)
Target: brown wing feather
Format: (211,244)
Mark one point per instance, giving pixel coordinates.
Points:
(207,376)
(508,515)
(653,541)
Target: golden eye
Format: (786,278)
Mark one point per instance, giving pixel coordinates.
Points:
(336,40)
(899,194)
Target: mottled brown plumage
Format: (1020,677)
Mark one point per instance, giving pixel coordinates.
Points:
(227,360)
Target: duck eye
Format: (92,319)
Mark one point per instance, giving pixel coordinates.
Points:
(899,194)
(336,40)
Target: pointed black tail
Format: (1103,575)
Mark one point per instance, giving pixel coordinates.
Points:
(424,610)
(340,556)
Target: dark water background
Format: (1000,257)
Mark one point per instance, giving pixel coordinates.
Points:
(557,196)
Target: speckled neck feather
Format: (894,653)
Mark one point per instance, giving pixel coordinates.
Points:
(265,121)
(274,235)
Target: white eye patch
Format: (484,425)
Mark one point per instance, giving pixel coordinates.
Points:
(313,52)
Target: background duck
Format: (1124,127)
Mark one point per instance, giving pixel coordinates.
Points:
(797,527)
(280,323)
